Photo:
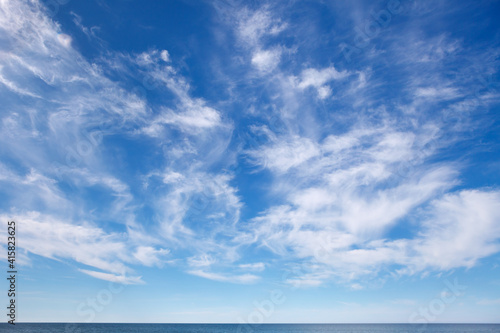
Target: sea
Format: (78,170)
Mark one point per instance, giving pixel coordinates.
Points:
(242,328)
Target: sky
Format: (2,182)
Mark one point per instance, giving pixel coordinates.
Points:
(252,161)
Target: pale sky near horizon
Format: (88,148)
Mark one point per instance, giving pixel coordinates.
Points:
(252,161)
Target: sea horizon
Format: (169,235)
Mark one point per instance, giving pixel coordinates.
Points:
(242,327)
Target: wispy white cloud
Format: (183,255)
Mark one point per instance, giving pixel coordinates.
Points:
(165,56)
(445,242)
(12,86)
(113,278)
(433,93)
(149,256)
(461,229)
(63,137)
(344,193)
(258,266)
(266,60)
(195,116)
(285,154)
(243,279)
(90,32)
(253,25)
(337,197)
(201,261)
(86,244)
(253,29)
(307,280)
(151,57)
(74,121)
(312,77)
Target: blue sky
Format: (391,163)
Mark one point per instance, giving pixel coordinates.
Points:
(252,161)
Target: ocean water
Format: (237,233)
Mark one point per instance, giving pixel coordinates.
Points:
(267,328)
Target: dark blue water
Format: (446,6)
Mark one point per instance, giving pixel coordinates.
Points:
(268,328)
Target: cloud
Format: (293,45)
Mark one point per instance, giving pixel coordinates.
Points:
(446,241)
(304,282)
(12,86)
(114,278)
(343,194)
(149,256)
(201,261)
(89,32)
(151,57)
(285,154)
(165,56)
(65,40)
(33,190)
(196,196)
(433,93)
(337,192)
(66,138)
(253,29)
(430,50)
(258,266)
(252,26)
(312,77)
(266,60)
(192,115)
(461,229)
(241,279)
(84,243)
(195,116)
